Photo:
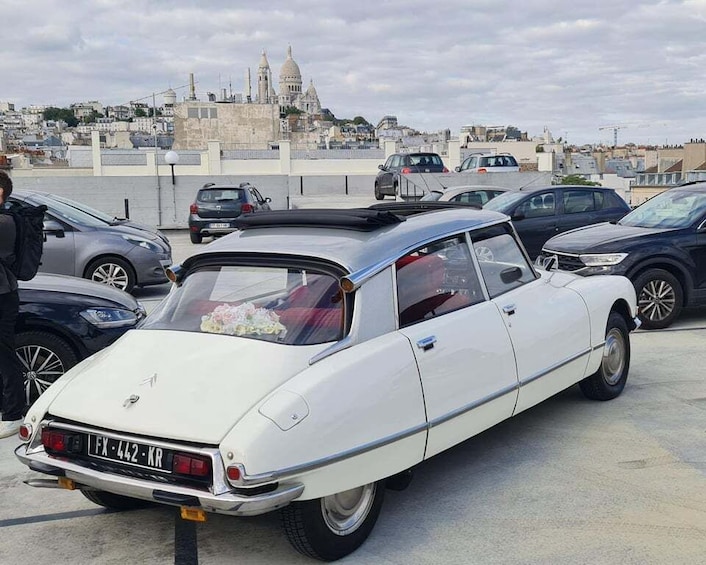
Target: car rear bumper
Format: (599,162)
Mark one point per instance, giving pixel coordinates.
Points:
(210,226)
(227,502)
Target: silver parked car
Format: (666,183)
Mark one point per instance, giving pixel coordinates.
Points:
(80,244)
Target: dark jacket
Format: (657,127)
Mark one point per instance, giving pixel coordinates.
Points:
(8,282)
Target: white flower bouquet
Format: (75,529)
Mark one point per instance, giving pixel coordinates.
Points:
(243,319)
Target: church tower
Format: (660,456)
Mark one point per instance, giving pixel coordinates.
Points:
(290,81)
(263,80)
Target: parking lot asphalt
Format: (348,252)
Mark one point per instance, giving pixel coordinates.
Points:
(569,481)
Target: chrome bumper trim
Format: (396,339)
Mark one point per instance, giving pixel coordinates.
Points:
(225,503)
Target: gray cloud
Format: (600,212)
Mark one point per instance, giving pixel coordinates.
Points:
(569,66)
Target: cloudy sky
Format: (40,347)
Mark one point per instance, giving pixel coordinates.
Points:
(435,64)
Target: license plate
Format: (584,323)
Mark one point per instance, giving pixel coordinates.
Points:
(129,452)
(217,225)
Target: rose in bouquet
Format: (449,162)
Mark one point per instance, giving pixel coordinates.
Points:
(241,319)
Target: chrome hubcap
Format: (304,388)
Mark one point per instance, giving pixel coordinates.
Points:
(613,356)
(657,300)
(41,367)
(112,275)
(346,511)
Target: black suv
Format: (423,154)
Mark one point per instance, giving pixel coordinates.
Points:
(388,179)
(540,213)
(217,206)
(660,246)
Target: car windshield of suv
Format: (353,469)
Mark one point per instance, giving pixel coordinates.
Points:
(67,213)
(505,201)
(285,305)
(670,209)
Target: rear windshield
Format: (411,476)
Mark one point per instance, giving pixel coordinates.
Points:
(292,306)
(426,159)
(221,195)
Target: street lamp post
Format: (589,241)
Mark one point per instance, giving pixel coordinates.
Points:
(171,158)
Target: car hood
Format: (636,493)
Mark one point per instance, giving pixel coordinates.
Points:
(191,386)
(73,285)
(598,237)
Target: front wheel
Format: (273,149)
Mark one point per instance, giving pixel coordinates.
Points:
(112,271)
(660,298)
(331,527)
(44,358)
(610,378)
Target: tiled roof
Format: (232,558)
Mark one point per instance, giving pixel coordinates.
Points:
(654,169)
(701,167)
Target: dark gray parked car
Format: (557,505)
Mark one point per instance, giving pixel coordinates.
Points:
(80,244)
(216,207)
(388,178)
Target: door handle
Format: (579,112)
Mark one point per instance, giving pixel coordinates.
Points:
(426,343)
(509,309)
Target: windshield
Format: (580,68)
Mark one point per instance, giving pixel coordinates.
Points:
(432,196)
(670,209)
(107,218)
(505,201)
(292,306)
(66,212)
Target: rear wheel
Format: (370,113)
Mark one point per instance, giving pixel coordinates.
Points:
(660,298)
(114,501)
(332,527)
(44,358)
(610,378)
(378,195)
(195,237)
(112,271)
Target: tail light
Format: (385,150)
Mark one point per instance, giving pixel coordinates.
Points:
(194,209)
(59,441)
(482,171)
(406,171)
(192,465)
(233,473)
(25,432)
(246,208)
(445,170)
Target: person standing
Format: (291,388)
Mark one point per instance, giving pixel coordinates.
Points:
(12,398)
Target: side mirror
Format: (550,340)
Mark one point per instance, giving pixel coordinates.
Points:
(381,167)
(517,216)
(510,275)
(53,227)
(268,199)
(457,169)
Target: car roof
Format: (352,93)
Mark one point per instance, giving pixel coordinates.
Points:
(562,186)
(351,248)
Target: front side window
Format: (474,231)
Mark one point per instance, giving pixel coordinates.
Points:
(501,260)
(537,206)
(435,280)
(286,305)
(465,164)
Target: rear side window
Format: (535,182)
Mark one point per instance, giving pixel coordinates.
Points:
(577,201)
(608,199)
(435,280)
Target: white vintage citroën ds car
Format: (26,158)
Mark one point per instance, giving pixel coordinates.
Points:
(320,355)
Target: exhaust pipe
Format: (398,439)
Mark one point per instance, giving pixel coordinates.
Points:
(42,483)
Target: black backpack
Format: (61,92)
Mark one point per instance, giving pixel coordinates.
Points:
(29,239)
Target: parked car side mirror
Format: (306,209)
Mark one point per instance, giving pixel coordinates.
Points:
(516,216)
(510,275)
(381,167)
(457,169)
(53,227)
(268,199)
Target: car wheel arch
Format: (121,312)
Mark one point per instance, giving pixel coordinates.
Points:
(106,257)
(57,332)
(681,274)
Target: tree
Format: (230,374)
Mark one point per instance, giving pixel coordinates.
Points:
(140,113)
(289,110)
(60,114)
(360,120)
(578,179)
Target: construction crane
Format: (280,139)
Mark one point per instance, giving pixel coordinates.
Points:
(615,129)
